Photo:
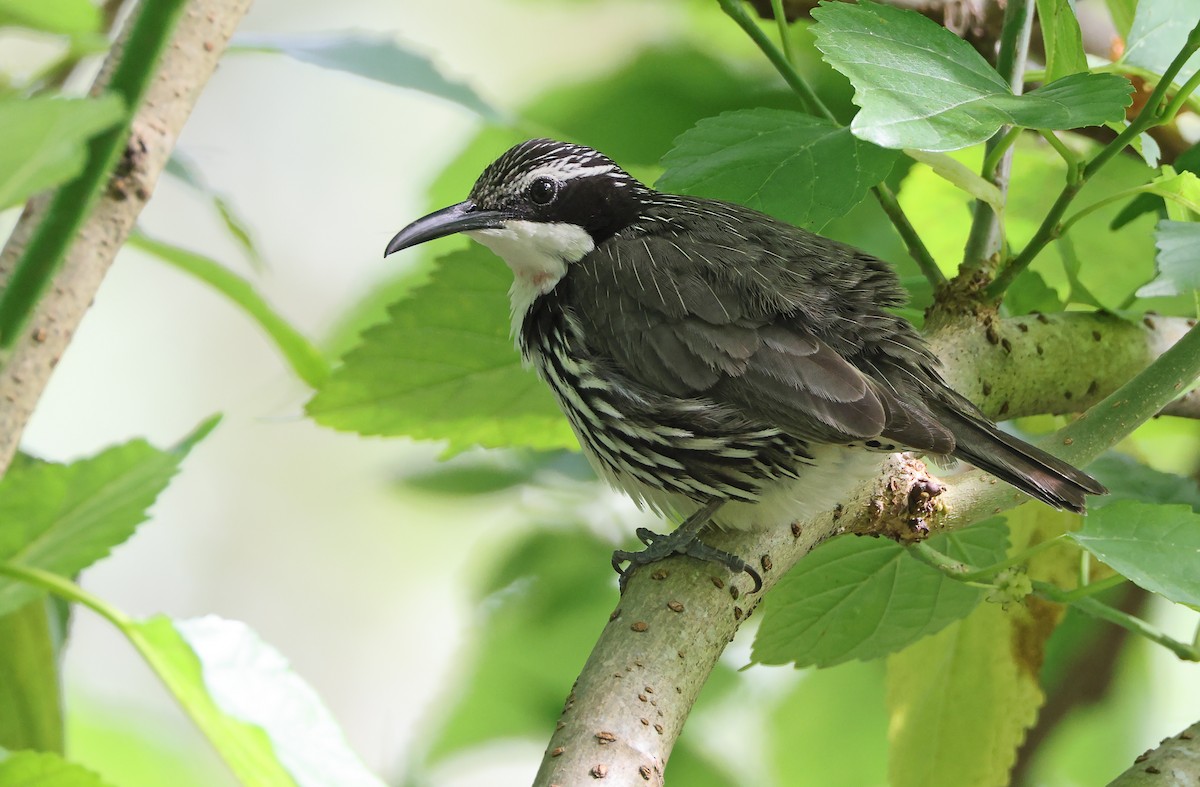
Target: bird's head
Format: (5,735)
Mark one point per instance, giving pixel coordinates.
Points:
(541,206)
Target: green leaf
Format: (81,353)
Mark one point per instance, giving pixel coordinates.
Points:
(63,518)
(44,769)
(961,701)
(147,35)
(185,170)
(1029,294)
(1188,161)
(485,472)
(45,141)
(461,480)
(118,738)
(1129,479)
(69,17)
(252,682)
(30,703)
(858,598)
(806,729)
(372,57)
(444,368)
(1082,265)
(798,168)
(1072,266)
(920,86)
(1160,29)
(304,358)
(244,746)
(1155,546)
(1179,189)
(1177,262)
(1063,39)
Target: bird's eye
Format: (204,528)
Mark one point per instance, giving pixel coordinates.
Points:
(542,190)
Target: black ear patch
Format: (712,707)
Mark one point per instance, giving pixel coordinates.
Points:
(592,192)
(601,204)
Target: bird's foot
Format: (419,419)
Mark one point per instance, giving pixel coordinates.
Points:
(681,541)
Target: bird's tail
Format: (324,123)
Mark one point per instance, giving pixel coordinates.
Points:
(1030,469)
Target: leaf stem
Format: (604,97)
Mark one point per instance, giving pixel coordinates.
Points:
(921,551)
(1150,116)
(784,39)
(738,13)
(887,200)
(1015,33)
(1118,196)
(1099,609)
(1130,70)
(305,359)
(65,588)
(995,153)
(912,241)
(1172,109)
(1081,597)
(967,573)
(1092,588)
(1074,162)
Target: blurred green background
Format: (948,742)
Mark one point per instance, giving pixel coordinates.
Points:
(379,577)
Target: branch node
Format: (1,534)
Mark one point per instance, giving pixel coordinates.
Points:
(132,176)
(906,504)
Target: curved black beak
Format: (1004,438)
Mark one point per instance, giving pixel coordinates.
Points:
(447,221)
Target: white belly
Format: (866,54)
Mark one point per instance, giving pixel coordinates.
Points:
(835,472)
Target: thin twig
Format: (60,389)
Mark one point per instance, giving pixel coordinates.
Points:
(812,101)
(887,200)
(1099,609)
(781,22)
(985,241)
(183,71)
(1150,116)
(908,233)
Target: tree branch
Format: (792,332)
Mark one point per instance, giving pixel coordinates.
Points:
(671,625)
(1175,761)
(184,69)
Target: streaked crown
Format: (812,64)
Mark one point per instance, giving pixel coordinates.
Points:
(548,181)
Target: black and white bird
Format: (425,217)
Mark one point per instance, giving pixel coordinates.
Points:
(715,362)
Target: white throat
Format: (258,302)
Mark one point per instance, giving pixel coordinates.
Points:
(538,254)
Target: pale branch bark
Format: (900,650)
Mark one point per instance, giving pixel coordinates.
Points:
(1174,763)
(674,620)
(183,70)
(1066,361)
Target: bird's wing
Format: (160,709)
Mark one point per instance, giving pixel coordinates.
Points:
(696,324)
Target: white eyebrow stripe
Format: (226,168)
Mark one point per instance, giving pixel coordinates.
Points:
(568,170)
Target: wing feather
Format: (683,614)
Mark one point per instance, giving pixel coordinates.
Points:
(713,336)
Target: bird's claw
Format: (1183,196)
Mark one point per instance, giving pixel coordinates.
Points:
(660,546)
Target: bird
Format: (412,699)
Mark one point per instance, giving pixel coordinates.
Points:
(716,363)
